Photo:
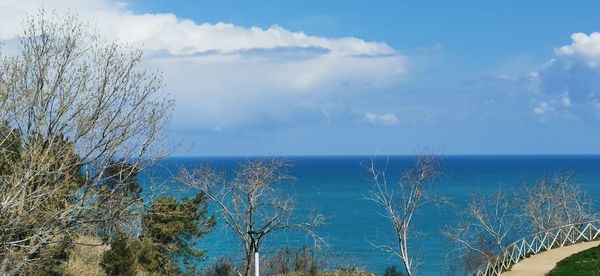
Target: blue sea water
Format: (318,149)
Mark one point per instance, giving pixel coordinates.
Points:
(337,186)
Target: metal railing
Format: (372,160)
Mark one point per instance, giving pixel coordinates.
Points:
(536,243)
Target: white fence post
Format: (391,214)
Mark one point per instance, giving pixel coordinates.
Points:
(496,264)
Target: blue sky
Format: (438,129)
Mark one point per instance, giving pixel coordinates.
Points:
(365,77)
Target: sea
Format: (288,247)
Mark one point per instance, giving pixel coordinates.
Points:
(338,187)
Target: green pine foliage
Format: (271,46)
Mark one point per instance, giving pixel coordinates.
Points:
(167,245)
(153,259)
(10,147)
(222,267)
(122,179)
(119,198)
(120,259)
(173,227)
(392,271)
(52,259)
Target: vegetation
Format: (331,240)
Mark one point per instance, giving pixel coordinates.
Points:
(120,259)
(392,271)
(302,260)
(291,262)
(167,245)
(329,273)
(171,230)
(85,257)
(70,104)
(252,202)
(491,222)
(79,120)
(586,262)
(50,263)
(401,201)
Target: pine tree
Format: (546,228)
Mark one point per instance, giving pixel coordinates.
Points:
(120,259)
(173,228)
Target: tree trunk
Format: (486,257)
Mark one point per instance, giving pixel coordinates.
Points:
(248,264)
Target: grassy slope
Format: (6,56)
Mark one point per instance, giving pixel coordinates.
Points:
(583,263)
(85,260)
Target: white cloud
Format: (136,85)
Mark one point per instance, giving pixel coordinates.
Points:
(569,84)
(223,75)
(584,47)
(542,108)
(565,100)
(381,119)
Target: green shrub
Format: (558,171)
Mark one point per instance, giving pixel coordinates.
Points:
(171,230)
(392,271)
(167,244)
(52,259)
(586,262)
(120,259)
(153,258)
(221,267)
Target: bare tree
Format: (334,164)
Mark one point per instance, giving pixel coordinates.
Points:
(251,202)
(71,107)
(402,201)
(491,222)
(485,227)
(553,202)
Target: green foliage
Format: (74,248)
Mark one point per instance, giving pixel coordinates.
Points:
(10,147)
(120,259)
(118,198)
(392,271)
(586,262)
(56,153)
(168,240)
(52,259)
(122,179)
(55,183)
(152,258)
(221,267)
(172,228)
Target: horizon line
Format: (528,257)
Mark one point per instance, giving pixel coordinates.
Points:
(386,155)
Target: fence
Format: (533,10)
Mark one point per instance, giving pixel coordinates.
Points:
(536,243)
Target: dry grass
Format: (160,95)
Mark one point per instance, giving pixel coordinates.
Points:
(86,256)
(85,259)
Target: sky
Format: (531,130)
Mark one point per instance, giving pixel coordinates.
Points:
(362,77)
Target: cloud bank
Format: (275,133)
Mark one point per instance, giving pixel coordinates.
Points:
(225,76)
(569,84)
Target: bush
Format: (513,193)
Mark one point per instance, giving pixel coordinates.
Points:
(586,262)
(120,259)
(287,260)
(52,259)
(392,271)
(171,231)
(222,267)
(151,258)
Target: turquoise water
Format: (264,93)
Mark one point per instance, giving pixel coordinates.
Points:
(337,186)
